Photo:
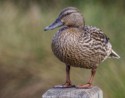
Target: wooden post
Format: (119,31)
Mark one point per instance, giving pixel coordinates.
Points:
(94,92)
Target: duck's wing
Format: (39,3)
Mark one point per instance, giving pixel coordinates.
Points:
(100,42)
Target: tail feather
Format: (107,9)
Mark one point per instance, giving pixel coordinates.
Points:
(114,55)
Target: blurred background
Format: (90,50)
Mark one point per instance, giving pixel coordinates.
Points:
(27,65)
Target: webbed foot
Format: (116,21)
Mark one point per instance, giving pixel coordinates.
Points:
(66,85)
(85,86)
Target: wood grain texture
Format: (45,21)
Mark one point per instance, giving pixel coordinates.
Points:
(94,92)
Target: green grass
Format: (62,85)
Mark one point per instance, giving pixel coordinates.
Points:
(27,65)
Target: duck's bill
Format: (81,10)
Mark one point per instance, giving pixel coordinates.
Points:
(54,25)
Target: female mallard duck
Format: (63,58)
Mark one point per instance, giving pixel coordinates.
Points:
(79,45)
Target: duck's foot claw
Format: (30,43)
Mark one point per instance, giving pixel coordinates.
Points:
(85,86)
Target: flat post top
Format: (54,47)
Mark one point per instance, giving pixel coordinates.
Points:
(94,92)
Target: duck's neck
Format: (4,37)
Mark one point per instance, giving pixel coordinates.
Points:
(79,27)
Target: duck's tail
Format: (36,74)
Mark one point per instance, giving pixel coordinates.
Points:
(114,55)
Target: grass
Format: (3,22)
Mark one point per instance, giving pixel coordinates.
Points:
(27,65)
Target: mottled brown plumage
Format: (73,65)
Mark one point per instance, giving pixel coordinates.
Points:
(79,45)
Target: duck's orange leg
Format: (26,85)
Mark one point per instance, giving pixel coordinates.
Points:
(68,83)
(89,84)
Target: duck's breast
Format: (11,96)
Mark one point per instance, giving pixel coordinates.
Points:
(65,44)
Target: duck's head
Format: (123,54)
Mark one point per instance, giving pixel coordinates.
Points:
(69,16)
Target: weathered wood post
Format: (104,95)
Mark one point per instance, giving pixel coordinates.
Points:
(94,92)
